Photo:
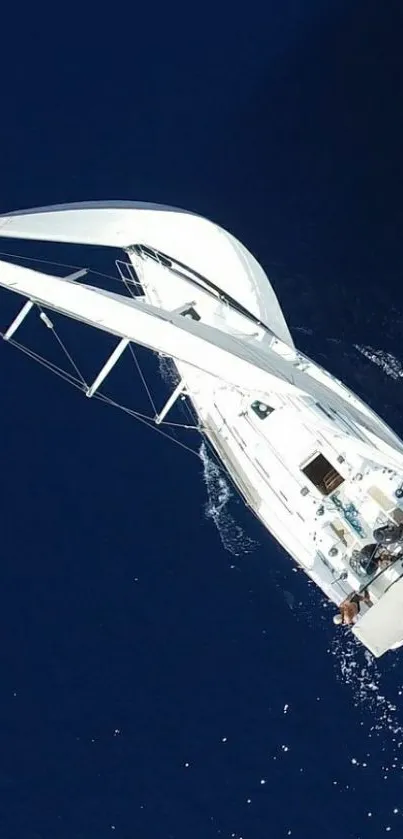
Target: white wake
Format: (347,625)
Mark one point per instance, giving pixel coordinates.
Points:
(219,493)
(385,360)
(168,371)
(358,669)
(355,666)
(232,535)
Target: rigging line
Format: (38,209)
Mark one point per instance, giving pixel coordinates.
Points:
(107,400)
(81,385)
(65,350)
(166,423)
(39,259)
(126,282)
(69,378)
(143,379)
(64,265)
(63,374)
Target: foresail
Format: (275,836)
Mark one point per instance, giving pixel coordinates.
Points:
(202,245)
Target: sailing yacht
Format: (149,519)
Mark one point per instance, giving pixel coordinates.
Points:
(317,466)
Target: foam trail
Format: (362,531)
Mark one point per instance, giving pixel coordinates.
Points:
(233,537)
(358,669)
(385,360)
(168,370)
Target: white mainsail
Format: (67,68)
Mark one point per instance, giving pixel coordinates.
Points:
(187,237)
(202,346)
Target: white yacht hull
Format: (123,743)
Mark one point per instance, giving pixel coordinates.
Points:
(315,464)
(381,628)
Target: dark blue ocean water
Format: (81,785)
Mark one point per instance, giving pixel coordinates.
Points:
(164,672)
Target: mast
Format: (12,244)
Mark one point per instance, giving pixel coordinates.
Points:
(203,347)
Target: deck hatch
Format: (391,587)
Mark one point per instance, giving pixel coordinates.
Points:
(261,409)
(322,474)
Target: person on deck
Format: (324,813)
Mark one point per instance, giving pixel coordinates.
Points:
(350,608)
